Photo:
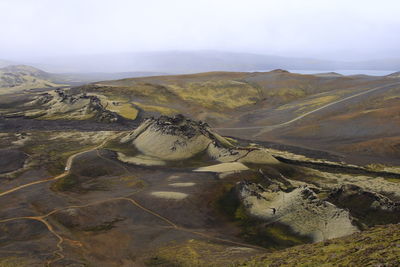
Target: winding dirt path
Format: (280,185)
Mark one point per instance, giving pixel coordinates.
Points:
(59,250)
(67,171)
(58,253)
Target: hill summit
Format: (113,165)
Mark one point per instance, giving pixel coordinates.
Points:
(20,77)
(179,138)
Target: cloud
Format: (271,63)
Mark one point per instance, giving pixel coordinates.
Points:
(319,28)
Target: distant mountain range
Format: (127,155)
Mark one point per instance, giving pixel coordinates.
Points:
(14,78)
(198,61)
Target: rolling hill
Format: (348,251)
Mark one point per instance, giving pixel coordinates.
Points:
(16,78)
(325,111)
(259,170)
(242,104)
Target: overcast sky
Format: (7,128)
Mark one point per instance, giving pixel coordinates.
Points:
(333,29)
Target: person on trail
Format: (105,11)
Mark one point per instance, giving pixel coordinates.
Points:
(273,210)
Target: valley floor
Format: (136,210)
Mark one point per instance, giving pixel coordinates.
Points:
(86,181)
(98,210)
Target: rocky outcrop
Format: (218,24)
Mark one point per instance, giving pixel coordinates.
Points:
(76,106)
(394,75)
(179,138)
(300,209)
(100,112)
(369,207)
(172,138)
(42,99)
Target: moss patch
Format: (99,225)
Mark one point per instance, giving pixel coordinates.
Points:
(53,155)
(116,146)
(105,226)
(66,183)
(14,262)
(196,253)
(379,246)
(126,110)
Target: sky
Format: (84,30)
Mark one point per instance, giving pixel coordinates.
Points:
(325,29)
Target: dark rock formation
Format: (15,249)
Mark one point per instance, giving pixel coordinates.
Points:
(95,106)
(180,125)
(370,207)
(44,99)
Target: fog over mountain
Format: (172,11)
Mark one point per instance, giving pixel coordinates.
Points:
(200,61)
(189,36)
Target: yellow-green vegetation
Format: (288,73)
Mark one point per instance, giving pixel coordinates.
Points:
(87,172)
(126,110)
(29,83)
(375,167)
(51,149)
(66,183)
(153,108)
(310,104)
(133,181)
(219,91)
(218,94)
(286,94)
(53,156)
(66,116)
(14,262)
(379,246)
(79,110)
(214,94)
(118,105)
(393,180)
(283,235)
(116,146)
(19,78)
(195,252)
(157,93)
(231,140)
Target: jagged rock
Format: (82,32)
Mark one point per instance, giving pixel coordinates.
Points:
(280,183)
(43,99)
(78,106)
(101,114)
(180,126)
(370,207)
